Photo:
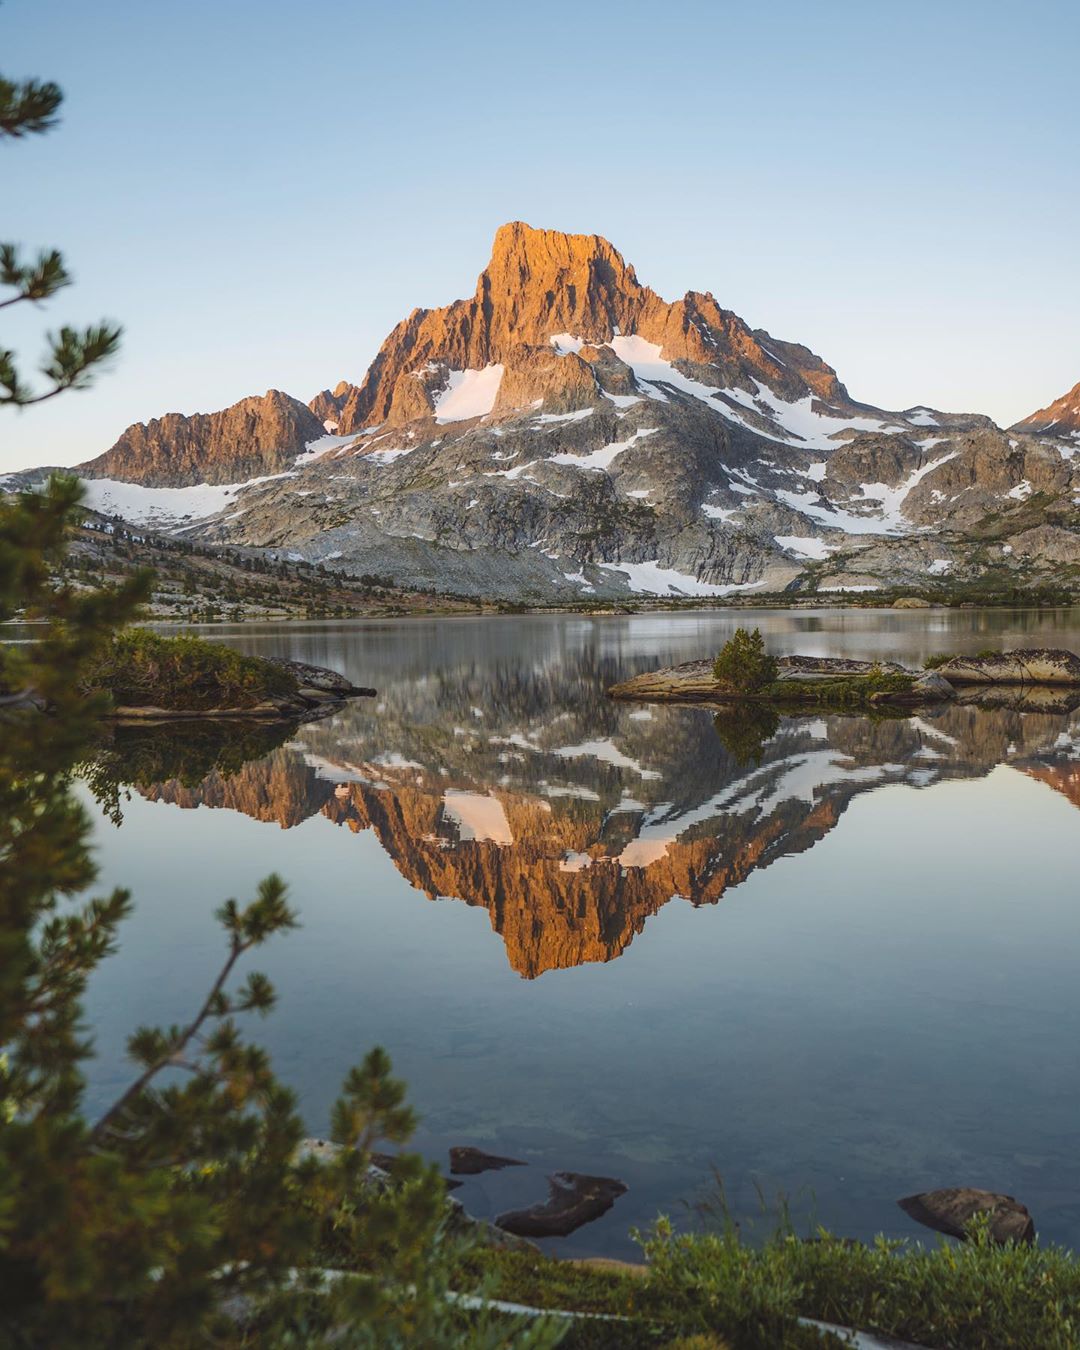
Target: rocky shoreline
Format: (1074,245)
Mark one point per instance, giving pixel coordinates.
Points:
(1013,676)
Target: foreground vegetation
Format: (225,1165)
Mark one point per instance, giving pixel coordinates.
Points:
(715,1289)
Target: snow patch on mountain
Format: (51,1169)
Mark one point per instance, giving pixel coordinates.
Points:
(323,446)
(468,393)
(649,578)
(804,546)
(579,415)
(164,506)
(887,516)
(602,459)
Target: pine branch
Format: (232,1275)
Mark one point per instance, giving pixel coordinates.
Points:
(247,928)
(72,358)
(140,1084)
(35,281)
(29,107)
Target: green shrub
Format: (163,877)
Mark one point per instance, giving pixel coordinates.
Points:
(972,1296)
(141,668)
(938,660)
(743,663)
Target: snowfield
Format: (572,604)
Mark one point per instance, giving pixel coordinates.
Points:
(601,459)
(796,423)
(164,506)
(468,393)
(804,545)
(649,578)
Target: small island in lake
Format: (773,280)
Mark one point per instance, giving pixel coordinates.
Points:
(153,678)
(744,672)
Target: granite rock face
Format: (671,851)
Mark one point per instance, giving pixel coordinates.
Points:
(1060,418)
(1035,666)
(254,437)
(328,403)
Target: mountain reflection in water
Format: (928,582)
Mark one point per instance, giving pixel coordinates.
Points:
(570,819)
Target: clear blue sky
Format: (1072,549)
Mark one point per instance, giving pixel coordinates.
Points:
(259,190)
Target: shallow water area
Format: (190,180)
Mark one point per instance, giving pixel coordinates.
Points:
(834,959)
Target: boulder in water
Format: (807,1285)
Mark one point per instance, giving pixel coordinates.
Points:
(468,1162)
(575,1199)
(951,1210)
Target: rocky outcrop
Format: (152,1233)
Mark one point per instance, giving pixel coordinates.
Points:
(466,1161)
(952,1209)
(1034,666)
(574,1200)
(318,680)
(1060,418)
(255,437)
(328,403)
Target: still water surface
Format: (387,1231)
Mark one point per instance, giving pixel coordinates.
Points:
(840,964)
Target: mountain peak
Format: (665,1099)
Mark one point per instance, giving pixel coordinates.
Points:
(545,291)
(524,254)
(1060,418)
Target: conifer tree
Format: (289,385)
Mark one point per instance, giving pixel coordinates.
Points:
(186,1213)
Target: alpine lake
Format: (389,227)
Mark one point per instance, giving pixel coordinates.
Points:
(833,959)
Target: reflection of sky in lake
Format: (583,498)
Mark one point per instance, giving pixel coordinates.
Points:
(890,1007)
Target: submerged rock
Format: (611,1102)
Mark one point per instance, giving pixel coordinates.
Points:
(951,1210)
(468,1162)
(932,685)
(1036,665)
(575,1199)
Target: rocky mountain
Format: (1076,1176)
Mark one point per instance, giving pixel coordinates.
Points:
(1060,420)
(567,434)
(327,405)
(254,437)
